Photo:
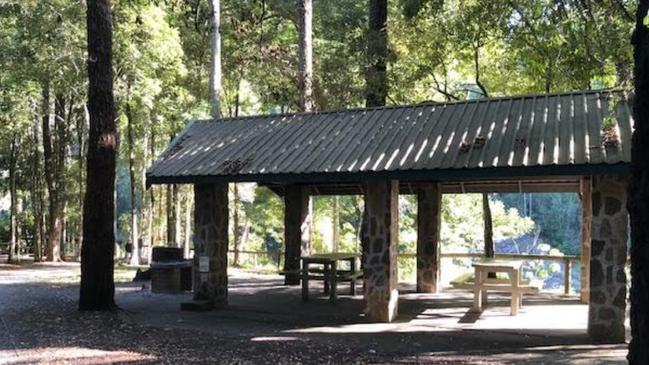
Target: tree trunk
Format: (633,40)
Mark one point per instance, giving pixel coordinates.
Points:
(305,71)
(37,192)
(335,223)
(135,248)
(13,192)
(376,83)
(188,224)
(638,197)
(82,125)
(488,231)
(97,290)
(178,215)
(144,240)
(488,227)
(62,132)
(236,233)
(54,176)
(150,203)
(172,217)
(215,62)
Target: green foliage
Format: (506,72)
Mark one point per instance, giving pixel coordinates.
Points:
(439,50)
(557,216)
(463,225)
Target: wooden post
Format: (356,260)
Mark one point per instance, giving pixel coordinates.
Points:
(429,202)
(566,276)
(586,221)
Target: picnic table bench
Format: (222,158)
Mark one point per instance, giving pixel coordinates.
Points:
(482,285)
(329,271)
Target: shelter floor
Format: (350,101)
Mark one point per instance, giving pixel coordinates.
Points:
(267,323)
(263,309)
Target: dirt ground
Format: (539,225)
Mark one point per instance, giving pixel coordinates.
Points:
(266,323)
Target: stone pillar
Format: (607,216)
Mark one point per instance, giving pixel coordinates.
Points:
(211,243)
(297,234)
(429,203)
(586,222)
(610,233)
(380,268)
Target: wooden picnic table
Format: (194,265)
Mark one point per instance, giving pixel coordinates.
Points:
(482,284)
(330,272)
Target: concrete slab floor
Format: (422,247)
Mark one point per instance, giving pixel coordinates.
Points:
(267,322)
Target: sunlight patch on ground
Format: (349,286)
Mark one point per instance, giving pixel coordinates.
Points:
(575,355)
(273,338)
(70,355)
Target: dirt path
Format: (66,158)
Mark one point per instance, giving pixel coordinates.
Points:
(40,325)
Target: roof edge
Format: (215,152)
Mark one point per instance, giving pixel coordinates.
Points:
(472,174)
(422,104)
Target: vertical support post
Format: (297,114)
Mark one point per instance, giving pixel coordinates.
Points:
(297,233)
(586,221)
(610,233)
(566,276)
(429,202)
(380,270)
(211,243)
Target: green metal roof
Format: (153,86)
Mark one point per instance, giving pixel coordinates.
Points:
(535,135)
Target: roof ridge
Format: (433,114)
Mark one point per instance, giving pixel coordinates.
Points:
(422,104)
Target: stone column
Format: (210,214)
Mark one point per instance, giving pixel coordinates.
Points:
(297,234)
(610,233)
(211,243)
(586,222)
(429,203)
(380,268)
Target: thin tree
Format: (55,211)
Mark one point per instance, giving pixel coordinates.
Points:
(376,83)
(638,197)
(97,285)
(13,192)
(305,65)
(215,61)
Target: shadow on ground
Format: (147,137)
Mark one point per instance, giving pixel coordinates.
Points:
(267,322)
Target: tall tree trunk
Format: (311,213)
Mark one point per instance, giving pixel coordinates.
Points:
(97,290)
(54,155)
(37,191)
(236,232)
(215,62)
(150,202)
(188,223)
(488,227)
(82,126)
(488,231)
(376,83)
(178,215)
(305,72)
(13,192)
(335,223)
(145,234)
(638,197)
(172,215)
(62,132)
(135,248)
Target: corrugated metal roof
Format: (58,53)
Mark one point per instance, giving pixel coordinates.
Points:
(427,140)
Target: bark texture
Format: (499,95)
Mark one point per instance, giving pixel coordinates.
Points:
(13,209)
(215,62)
(376,83)
(305,74)
(97,290)
(134,239)
(638,196)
